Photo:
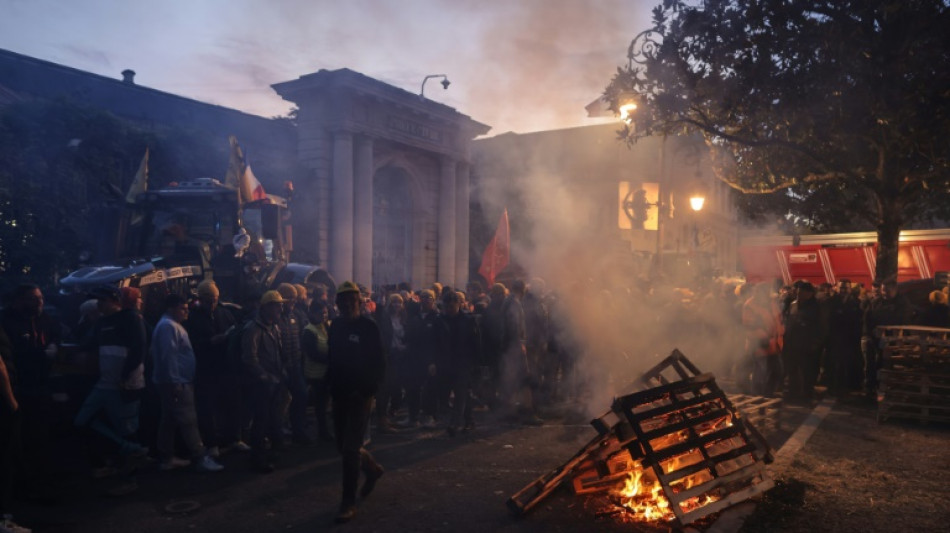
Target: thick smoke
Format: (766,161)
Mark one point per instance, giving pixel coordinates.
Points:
(615,318)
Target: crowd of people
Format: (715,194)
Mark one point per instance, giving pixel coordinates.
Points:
(208,378)
(802,335)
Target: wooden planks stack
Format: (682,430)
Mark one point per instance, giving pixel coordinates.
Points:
(680,426)
(760,411)
(914,379)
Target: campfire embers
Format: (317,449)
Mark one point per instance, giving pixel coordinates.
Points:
(676,451)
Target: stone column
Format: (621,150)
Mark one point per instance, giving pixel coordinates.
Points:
(341,212)
(363,211)
(447,228)
(461,225)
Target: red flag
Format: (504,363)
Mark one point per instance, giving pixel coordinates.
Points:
(497,252)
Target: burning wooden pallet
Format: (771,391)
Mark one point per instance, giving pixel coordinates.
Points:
(678,450)
(914,379)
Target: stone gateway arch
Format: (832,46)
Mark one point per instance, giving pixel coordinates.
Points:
(384,191)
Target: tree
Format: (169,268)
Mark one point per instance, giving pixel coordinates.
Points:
(64,171)
(841,103)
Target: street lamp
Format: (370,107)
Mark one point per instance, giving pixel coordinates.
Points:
(445,83)
(696,201)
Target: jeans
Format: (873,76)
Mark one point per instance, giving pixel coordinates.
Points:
(120,422)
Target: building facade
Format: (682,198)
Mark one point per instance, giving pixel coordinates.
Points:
(633,200)
(388,193)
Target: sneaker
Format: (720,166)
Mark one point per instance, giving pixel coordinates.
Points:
(239,446)
(214,452)
(347,513)
(372,477)
(207,464)
(8,526)
(173,463)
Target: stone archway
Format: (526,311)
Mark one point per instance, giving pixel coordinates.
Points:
(393,230)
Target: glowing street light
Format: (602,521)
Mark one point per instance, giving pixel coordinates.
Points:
(696,202)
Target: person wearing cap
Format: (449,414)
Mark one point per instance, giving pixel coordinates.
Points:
(217,392)
(801,351)
(119,338)
(173,372)
(291,324)
(260,352)
(355,370)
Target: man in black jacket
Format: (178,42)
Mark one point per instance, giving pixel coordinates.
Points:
(355,371)
(801,353)
(456,364)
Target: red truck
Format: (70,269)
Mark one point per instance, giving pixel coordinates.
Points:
(922,254)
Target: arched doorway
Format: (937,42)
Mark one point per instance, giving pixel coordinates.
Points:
(392,227)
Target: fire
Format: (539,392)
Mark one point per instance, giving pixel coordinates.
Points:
(645,501)
(641,496)
(642,499)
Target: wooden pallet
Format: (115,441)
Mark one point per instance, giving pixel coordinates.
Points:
(723,457)
(678,399)
(912,395)
(760,411)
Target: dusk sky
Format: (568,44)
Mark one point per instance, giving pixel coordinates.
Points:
(516,65)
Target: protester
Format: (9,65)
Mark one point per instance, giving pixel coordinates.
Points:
(10,445)
(424,340)
(260,351)
(518,383)
(457,363)
(355,371)
(392,326)
(217,392)
(937,314)
(291,325)
(174,375)
(35,339)
(119,337)
(315,359)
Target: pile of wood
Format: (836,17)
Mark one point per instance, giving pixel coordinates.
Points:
(914,378)
(682,431)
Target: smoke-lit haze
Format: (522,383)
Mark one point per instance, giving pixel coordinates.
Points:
(617,322)
(516,65)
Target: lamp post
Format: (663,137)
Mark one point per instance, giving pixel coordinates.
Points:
(445,83)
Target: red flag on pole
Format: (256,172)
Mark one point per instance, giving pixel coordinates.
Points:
(496,255)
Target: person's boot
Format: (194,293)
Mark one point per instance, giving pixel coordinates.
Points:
(347,513)
(372,476)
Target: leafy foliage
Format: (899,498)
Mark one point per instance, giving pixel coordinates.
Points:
(840,107)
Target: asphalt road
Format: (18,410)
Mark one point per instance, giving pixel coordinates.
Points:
(432,483)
